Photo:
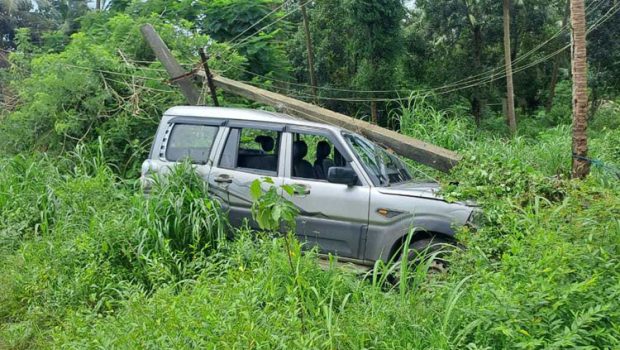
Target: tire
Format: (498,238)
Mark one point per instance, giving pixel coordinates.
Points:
(436,247)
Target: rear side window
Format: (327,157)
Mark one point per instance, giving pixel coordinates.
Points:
(252,149)
(191,141)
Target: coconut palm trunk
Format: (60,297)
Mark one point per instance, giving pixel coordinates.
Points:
(581,166)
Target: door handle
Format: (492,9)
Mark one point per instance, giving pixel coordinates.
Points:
(223,178)
(301,190)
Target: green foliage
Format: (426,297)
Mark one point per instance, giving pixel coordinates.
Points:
(179,225)
(604,77)
(228,20)
(606,116)
(96,264)
(75,237)
(561,110)
(88,261)
(97,86)
(270,209)
(376,43)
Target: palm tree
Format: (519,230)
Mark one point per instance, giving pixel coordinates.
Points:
(581,166)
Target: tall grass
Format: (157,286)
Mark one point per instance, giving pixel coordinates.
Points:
(88,262)
(417,117)
(180,224)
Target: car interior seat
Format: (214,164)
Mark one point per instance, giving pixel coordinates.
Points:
(301,167)
(322,162)
(260,159)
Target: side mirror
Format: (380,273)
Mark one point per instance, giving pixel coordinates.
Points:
(342,175)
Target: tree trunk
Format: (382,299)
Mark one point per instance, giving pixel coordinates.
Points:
(374,118)
(510,108)
(309,49)
(581,166)
(98,5)
(476,103)
(515,34)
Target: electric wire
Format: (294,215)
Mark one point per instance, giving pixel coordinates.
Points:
(247,38)
(484,76)
(614,9)
(258,22)
(610,12)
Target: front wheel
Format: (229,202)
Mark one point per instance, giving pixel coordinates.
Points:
(431,252)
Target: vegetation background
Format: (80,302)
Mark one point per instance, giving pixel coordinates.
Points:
(88,262)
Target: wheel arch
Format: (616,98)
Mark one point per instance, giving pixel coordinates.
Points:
(395,250)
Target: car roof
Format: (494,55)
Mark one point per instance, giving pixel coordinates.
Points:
(243,114)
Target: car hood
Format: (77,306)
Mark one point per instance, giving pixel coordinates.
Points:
(428,190)
(412,189)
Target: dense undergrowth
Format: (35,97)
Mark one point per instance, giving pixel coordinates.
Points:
(89,262)
(86,261)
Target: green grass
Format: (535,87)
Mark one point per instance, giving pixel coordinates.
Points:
(88,262)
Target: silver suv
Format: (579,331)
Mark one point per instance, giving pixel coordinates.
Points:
(356,200)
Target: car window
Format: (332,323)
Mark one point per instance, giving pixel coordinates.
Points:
(313,155)
(252,149)
(190,141)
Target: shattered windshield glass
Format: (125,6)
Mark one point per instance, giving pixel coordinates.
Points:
(384,167)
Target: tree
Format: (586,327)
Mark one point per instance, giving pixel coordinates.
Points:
(510,108)
(603,51)
(556,64)
(464,32)
(309,48)
(334,63)
(377,42)
(48,20)
(16,14)
(238,21)
(581,166)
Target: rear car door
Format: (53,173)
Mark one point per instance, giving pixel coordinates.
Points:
(333,217)
(250,151)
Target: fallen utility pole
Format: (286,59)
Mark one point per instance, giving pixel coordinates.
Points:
(177,73)
(420,151)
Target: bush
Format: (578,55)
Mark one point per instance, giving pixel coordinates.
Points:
(607,116)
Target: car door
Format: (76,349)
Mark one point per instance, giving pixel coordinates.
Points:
(250,151)
(333,217)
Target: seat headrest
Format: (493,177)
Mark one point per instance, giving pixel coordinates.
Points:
(300,149)
(266,142)
(323,149)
